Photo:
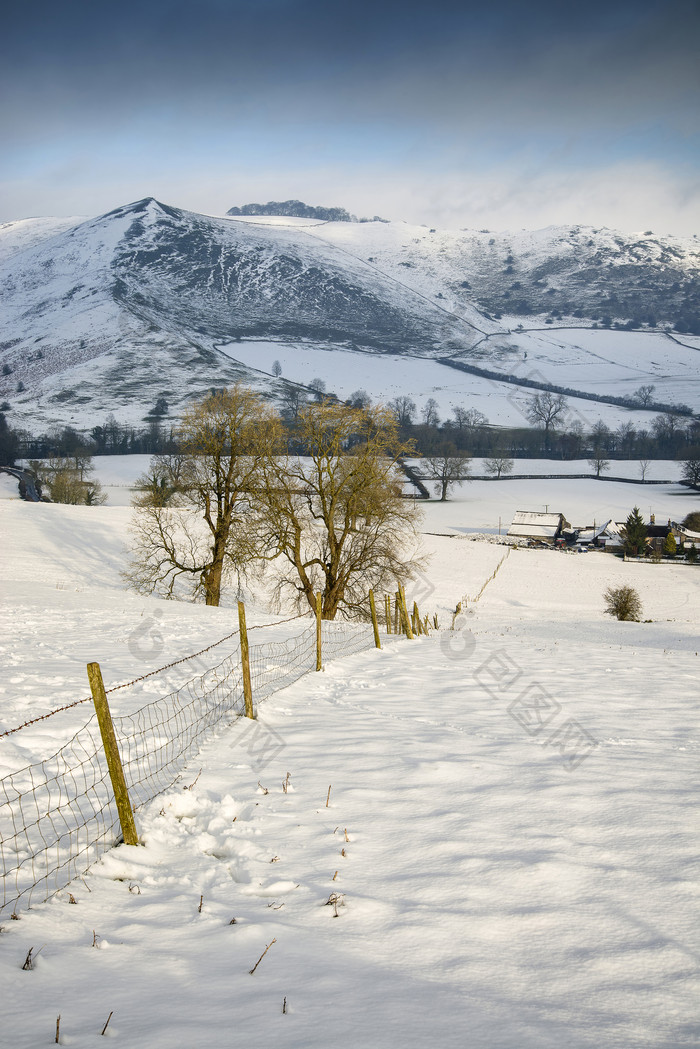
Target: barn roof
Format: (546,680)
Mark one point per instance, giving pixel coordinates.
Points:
(536,525)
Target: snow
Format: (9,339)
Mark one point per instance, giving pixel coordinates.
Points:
(295,221)
(25,233)
(9,487)
(487,500)
(85,342)
(506,879)
(613,363)
(386,376)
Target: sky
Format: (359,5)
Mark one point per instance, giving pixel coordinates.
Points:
(505,115)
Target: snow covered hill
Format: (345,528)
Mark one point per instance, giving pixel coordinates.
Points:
(109,314)
(511,830)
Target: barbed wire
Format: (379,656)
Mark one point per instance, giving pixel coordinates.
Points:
(143,677)
(59,815)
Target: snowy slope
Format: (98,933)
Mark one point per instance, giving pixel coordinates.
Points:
(558,269)
(500,887)
(26,233)
(114,312)
(616,363)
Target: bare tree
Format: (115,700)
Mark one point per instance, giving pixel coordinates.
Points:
(276,369)
(292,401)
(447,470)
(644,465)
(625,437)
(429,412)
(498,464)
(469,419)
(204,529)
(545,409)
(599,461)
(336,522)
(601,435)
(403,409)
(666,426)
(690,468)
(318,388)
(644,395)
(359,399)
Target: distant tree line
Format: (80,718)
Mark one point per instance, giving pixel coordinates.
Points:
(641,398)
(554,432)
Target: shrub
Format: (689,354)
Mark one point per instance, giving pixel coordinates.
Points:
(623,602)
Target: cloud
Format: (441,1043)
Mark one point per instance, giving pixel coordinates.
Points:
(407,109)
(629,197)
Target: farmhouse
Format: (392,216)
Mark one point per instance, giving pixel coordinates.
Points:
(599,535)
(543,528)
(686,537)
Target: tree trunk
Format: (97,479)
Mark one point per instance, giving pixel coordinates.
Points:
(212,582)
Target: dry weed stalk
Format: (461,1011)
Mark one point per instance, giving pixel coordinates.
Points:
(190,786)
(335,900)
(251,971)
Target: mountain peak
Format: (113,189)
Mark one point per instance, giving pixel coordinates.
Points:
(140,207)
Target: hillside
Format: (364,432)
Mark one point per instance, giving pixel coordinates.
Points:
(514,842)
(109,314)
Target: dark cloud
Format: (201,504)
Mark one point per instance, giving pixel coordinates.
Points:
(308,83)
(438,54)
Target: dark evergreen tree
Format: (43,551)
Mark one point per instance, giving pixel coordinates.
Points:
(634,535)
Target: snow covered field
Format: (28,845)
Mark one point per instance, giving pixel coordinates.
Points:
(477,505)
(387,376)
(608,362)
(507,879)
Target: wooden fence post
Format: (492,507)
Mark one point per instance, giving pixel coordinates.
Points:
(245,662)
(398,623)
(319,609)
(404,611)
(114,763)
(387,612)
(375,624)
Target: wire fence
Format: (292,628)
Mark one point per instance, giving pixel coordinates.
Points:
(59,815)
